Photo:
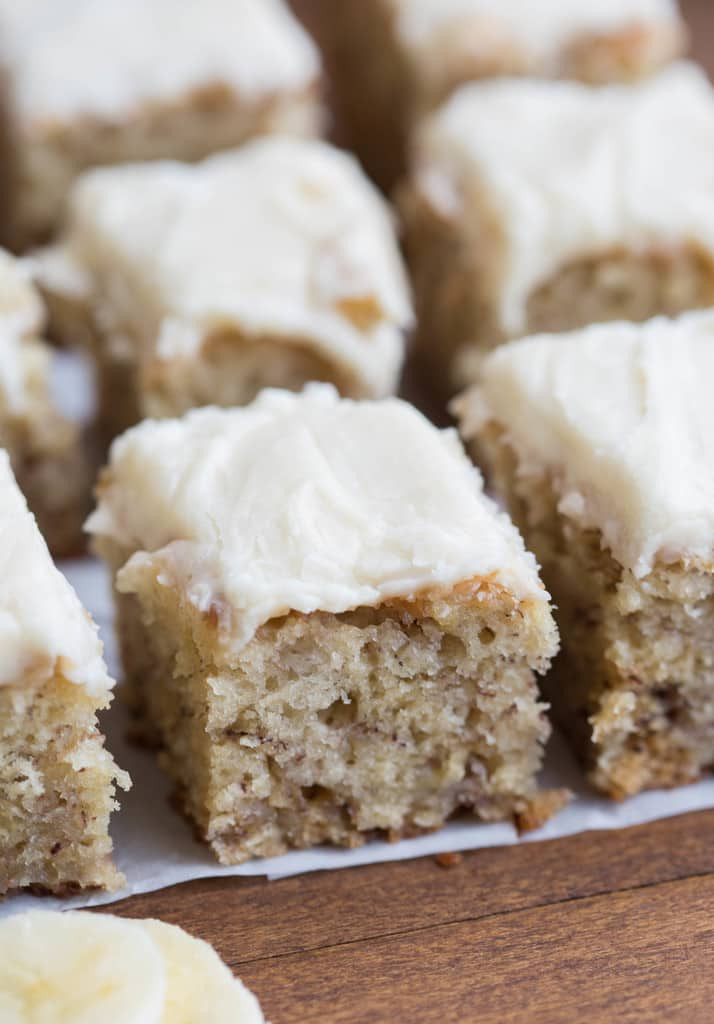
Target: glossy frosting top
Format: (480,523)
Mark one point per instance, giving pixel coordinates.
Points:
(283,237)
(620,417)
(559,171)
(303,502)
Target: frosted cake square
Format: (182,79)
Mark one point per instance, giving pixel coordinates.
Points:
(391,61)
(271,265)
(57,781)
(599,441)
(116,80)
(326,626)
(545,206)
(46,450)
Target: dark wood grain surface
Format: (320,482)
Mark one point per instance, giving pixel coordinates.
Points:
(604,927)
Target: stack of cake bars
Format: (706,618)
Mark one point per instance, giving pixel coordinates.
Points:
(327,625)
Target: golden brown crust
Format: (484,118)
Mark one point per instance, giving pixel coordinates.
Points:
(54,817)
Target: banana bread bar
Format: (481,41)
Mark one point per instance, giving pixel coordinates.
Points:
(600,443)
(271,265)
(391,61)
(115,80)
(545,206)
(47,451)
(324,623)
(56,779)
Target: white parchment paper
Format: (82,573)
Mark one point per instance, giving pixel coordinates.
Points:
(154,846)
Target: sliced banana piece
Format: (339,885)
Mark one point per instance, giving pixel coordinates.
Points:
(199,985)
(57,968)
(81,968)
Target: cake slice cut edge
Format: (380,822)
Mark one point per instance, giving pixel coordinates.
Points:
(352,705)
(57,780)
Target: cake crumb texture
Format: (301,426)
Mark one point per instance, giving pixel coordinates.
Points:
(327,628)
(597,443)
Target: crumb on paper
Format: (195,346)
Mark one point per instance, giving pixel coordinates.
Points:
(448,860)
(541,808)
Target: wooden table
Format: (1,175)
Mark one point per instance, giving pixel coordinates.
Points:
(602,927)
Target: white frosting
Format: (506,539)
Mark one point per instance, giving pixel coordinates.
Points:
(279,237)
(107,57)
(43,626)
(24,361)
(566,170)
(305,502)
(541,28)
(622,416)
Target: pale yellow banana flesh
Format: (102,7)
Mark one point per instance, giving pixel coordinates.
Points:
(57,968)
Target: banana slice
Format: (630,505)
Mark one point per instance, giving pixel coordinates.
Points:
(200,986)
(79,967)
